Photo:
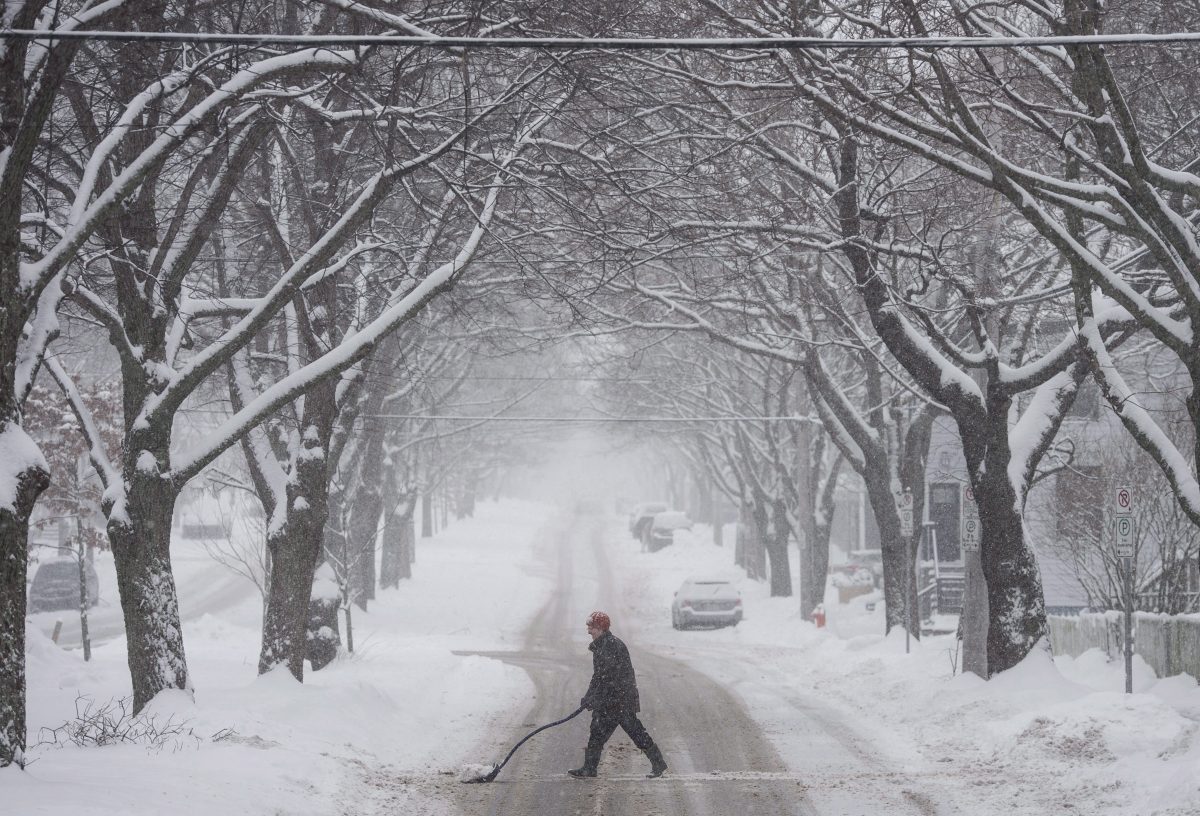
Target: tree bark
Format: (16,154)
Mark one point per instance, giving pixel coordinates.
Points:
(295,547)
(751,553)
(363,523)
(14,566)
(777,534)
(396,548)
(1016,605)
(426,515)
(323,637)
(140,533)
(814,571)
(408,544)
(900,606)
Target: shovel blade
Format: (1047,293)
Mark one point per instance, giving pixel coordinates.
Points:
(488,777)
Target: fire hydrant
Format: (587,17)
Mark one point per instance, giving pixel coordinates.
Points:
(818,616)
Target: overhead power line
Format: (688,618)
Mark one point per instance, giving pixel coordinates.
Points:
(602,43)
(617,419)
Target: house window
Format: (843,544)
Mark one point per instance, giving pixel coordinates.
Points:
(1078,499)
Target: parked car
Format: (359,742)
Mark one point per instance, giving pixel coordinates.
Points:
(706,602)
(56,586)
(660,532)
(870,560)
(641,515)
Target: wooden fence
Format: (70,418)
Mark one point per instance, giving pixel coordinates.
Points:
(1170,644)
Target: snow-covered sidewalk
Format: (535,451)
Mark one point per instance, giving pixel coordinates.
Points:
(374,732)
(1052,736)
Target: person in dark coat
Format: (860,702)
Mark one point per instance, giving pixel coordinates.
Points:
(612,698)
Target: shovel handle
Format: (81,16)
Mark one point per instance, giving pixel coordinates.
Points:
(525,739)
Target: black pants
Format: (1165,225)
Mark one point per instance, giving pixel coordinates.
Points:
(604,723)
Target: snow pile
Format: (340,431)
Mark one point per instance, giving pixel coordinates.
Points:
(1052,735)
(474,773)
(18,454)
(382,730)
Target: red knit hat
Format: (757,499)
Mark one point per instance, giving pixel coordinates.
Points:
(599,620)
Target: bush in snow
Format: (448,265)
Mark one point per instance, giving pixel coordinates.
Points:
(114,723)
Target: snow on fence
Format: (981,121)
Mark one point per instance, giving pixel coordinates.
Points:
(1170,644)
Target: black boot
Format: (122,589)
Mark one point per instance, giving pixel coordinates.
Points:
(657,763)
(591,761)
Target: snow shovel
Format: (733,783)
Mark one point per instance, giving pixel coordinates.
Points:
(489,776)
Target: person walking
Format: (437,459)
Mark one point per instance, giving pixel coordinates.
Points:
(612,697)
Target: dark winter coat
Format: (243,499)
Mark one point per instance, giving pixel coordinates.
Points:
(613,689)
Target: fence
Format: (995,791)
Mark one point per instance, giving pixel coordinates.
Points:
(1170,644)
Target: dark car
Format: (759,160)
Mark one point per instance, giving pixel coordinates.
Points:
(706,602)
(56,586)
(641,515)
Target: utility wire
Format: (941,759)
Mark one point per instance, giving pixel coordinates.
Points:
(595,419)
(603,43)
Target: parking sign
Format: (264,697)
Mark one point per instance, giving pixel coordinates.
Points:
(1124,535)
(970,534)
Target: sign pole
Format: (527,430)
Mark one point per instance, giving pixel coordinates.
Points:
(975,601)
(904,503)
(1123,527)
(1128,625)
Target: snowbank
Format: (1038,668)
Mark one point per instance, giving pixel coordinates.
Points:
(1052,735)
(364,735)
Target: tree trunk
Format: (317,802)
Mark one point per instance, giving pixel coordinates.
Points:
(396,557)
(84,598)
(295,547)
(141,544)
(898,558)
(323,638)
(427,515)
(815,570)
(1016,605)
(408,544)
(14,566)
(363,523)
(750,542)
(778,532)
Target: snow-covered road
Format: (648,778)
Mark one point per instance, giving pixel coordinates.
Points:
(721,762)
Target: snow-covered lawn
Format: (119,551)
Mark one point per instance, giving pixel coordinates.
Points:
(1052,736)
(402,706)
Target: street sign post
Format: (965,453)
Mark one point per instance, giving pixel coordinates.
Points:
(1123,530)
(904,505)
(971,528)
